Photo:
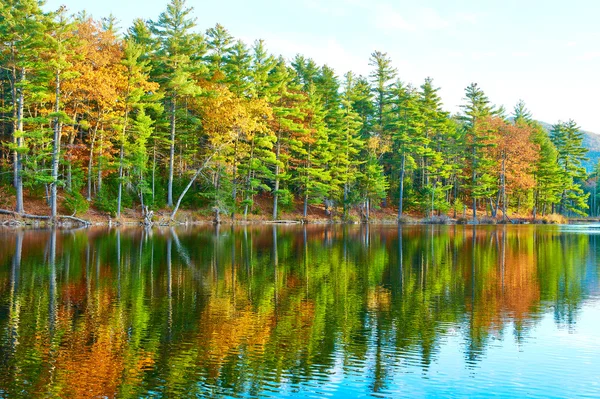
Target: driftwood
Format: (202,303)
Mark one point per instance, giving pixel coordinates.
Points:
(148,215)
(217,219)
(42,217)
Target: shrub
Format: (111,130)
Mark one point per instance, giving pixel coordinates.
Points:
(75,202)
(554,218)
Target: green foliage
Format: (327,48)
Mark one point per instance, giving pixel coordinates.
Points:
(139,115)
(107,198)
(75,203)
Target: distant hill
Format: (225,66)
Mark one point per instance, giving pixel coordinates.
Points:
(591,141)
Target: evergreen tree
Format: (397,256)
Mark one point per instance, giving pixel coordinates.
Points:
(407,128)
(306,70)
(310,153)
(176,62)
(382,77)
(219,43)
(262,65)
(135,96)
(286,101)
(476,110)
(547,173)
(568,140)
(22,33)
(521,114)
(361,98)
(60,50)
(346,146)
(238,70)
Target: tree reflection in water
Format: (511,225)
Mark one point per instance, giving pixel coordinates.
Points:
(259,310)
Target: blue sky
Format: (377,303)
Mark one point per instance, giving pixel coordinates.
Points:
(544,52)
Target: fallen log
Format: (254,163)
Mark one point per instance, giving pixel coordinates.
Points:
(282,222)
(42,217)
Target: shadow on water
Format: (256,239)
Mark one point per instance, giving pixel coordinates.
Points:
(285,311)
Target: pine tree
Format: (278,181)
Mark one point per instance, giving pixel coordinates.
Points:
(238,70)
(407,128)
(362,102)
(548,176)
(327,87)
(142,130)
(141,34)
(219,43)
(286,100)
(22,33)
(60,50)
(177,60)
(310,153)
(521,114)
(568,140)
(434,171)
(306,70)
(346,146)
(262,65)
(382,78)
(476,110)
(135,95)
(372,180)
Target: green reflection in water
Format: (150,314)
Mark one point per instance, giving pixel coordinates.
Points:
(262,311)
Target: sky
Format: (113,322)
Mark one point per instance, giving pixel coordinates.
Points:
(546,53)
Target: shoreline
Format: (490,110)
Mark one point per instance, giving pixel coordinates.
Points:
(16,223)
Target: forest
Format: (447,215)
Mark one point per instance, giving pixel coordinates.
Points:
(162,116)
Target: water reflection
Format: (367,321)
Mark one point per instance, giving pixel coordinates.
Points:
(281,311)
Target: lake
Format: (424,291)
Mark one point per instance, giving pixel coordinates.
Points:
(315,311)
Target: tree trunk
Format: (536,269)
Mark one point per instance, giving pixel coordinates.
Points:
(474,179)
(18,165)
(503,188)
(121,152)
(249,181)
(305,213)
(69,164)
(192,180)
(55,152)
(153,172)
(234,178)
(276,188)
(345,201)
(141,185)
(13,91)
(535,204)
(432,199)
(91,164)
(100,160)
(171,153)
(401,199)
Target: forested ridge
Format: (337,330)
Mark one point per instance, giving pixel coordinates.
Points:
(163,115)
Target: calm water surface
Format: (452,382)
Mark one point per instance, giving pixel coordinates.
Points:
(426,311)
